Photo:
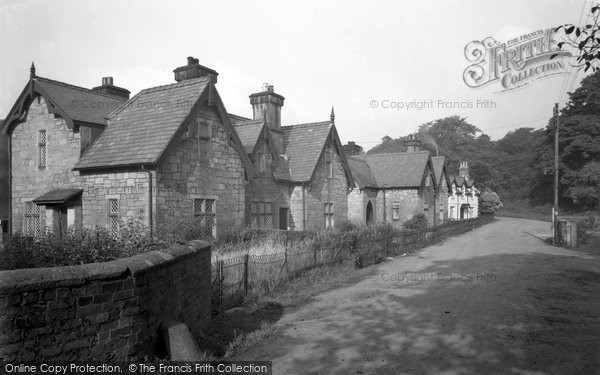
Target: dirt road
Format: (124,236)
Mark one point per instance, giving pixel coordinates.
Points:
(496,300)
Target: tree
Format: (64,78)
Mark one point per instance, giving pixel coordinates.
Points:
(489,201)
(586,187)
(579,144)
(584,40)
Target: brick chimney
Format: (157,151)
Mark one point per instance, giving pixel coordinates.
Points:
(267,103)
(463,170)
(109,88)
(194,70)
(412,144)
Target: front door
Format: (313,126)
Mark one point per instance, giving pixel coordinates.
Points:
(284,213)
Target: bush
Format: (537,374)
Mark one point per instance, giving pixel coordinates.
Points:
(418,221)
(79,246)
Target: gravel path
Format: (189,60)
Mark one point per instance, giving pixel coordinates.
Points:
(496,300)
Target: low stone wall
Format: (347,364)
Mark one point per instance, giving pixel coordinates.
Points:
(103,311)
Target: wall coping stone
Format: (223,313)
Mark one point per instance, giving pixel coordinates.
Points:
(43,278)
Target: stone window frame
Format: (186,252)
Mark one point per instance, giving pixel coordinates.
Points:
(113,215)
(199,205)
(261,218)
(262,160)
(204,133)
(42,148)
(396,210)
(329,215)
(32,219)
(329,163)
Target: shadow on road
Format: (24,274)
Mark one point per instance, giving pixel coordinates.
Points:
(529,314)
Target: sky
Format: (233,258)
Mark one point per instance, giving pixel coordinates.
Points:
(359,57)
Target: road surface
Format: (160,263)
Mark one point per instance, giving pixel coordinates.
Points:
(496,300)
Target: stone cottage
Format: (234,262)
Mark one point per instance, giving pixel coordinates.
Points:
(463,199)
(302,175)
(82,157)
(393,187)
(443,187)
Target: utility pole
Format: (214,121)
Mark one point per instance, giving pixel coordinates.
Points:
(555,211)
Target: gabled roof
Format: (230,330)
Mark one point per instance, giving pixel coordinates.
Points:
(304,145)
(439,168)
(248,131)
(140,131)
(401,169)
(76,105)
(460,180)
(361,172)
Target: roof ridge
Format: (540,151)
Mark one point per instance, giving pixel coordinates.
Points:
(308,123)
(399,153)
(186,82)
(80,88)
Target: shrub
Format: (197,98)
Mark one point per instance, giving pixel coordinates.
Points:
(78,246)
(418,221)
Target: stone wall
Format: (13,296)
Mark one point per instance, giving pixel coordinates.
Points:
(103,311)
(182,177)
(63,151)
(357,206)
(323,189)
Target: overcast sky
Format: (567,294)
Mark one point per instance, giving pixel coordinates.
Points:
(317,54)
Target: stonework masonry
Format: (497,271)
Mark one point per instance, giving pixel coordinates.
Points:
(103,311)
(182,177)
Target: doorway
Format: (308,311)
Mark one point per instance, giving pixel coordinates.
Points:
(369,213)
(284,215)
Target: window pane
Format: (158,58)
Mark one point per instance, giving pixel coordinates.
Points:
(197,207)
(209,205)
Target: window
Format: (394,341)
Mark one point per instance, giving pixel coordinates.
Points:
(42,149)
(204,211)
(33,223)
(261,215)
(262,160)
(451,215)
(204,136)
(329,163)
(425,205)
(113,221)
(396,210)
(441,211)
(329,218)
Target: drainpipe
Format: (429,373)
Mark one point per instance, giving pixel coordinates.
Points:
(384,208)
(303,207)
(150,221)
(10,210)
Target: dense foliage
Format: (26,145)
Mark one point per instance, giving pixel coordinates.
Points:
(520,166)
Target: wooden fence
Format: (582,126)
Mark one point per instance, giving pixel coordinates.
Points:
(233,278)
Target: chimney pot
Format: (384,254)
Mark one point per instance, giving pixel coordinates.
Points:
(270,88)
(265,87)
(190,60)
(107,81)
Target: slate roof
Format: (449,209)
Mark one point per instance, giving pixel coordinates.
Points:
(234,119)
(361,172)
(139,131)
(248,131)
(58,196)
(437,163)
(460,180)
(303,145)
(79,103)
(401,169)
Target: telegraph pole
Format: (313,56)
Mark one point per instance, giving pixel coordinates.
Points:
(555,211)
